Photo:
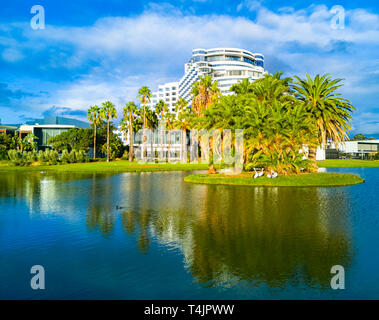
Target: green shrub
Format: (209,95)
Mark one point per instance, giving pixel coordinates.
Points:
(376,157)
(15,158)
(41,156)
(125,156)
(30,157)
(80,156)
(72,156)
(65,156)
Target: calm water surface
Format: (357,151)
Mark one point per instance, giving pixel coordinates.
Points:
(173,240)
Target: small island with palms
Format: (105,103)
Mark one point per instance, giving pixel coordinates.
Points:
(284,121)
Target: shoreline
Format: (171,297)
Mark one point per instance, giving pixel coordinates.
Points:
(319,179)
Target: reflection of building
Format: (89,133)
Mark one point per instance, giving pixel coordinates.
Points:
(227,66)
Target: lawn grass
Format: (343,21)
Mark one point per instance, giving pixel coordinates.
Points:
(338,163)
(319,179)
(113,167)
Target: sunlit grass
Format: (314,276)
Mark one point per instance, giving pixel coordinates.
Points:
(299,180)
(113,166)
(337,163)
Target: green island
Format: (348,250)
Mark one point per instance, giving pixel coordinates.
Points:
(320,179)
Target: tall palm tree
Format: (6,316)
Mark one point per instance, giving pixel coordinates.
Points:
(205,93)
(144,94)
(108,112)
(94,119)
(159,110)
(129,114)
(170,120)
(330,112)
(182,122)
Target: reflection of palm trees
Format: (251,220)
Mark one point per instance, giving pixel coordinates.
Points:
(259,235)
(100,210)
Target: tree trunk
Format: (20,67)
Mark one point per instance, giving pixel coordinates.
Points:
(130,139)
(168,146)
(184,150)
(94,143)
(108,141)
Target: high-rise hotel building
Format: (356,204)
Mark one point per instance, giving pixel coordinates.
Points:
(227,66)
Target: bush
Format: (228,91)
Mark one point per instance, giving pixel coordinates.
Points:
(376,157)
(125,156)
(15,157)
(65,156)
(80,156)
(41,156)
(30,157)
(72,156)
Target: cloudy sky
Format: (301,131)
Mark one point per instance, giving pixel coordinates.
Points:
(92,50)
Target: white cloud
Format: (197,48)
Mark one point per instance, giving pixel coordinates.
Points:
(127,52)
(12,55)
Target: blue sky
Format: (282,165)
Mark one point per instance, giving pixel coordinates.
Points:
(93,50)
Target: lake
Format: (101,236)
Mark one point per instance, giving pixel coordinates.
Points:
(173,240)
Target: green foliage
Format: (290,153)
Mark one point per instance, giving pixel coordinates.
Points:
(80,156)
(41,156)
(15,158)
(65,157)
(6,143)
(376,156)
(79,139)
(72,156)
(125,156)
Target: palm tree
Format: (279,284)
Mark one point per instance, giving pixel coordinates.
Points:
(205,93)
(108,112)
(170,119)
(94,119)
(159,108)
(330,112)
(144,94)
(129,114)
(242,87)
(182,122)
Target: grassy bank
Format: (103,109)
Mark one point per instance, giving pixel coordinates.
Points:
(300,180)
(114,166)
(347,163)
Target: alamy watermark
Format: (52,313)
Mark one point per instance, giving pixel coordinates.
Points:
(38,20)
(225,146)
(37,282)
(338,19)
(338,280)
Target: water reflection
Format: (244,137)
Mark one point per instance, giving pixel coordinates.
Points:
(275,236)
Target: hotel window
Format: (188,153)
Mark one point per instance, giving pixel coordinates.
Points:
(167,94)
(232,58)
(216,58)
